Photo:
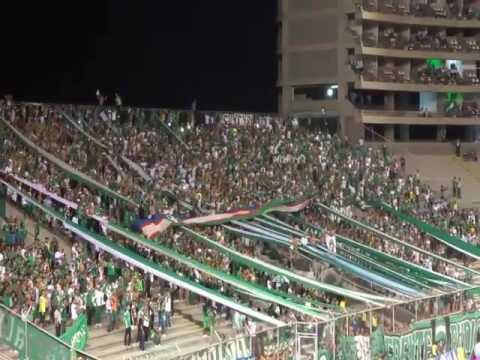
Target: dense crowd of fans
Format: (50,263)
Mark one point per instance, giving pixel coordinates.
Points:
(217,166)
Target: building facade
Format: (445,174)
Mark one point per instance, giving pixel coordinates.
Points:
(401,70)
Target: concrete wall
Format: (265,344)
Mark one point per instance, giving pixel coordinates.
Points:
(305,6)
(311,30)
(312,65)
(310,33)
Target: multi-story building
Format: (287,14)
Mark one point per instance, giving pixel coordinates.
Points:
(399,69)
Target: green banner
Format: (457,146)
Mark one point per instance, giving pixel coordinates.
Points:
(139,261)
(77,334)
(458,331)
(457,334)
(260,265)
(67,169)
(31,342)
(355,223)
(451,241)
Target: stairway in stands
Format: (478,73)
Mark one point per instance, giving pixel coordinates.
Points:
(185,336)
(438,165)
(6,353)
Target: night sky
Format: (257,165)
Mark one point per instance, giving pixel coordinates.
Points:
(160,53)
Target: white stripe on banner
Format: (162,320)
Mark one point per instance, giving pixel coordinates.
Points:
(43,190)
(398,241)
(364,297)
(111,250)
(216,217)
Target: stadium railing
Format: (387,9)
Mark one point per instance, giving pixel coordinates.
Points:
(32,342)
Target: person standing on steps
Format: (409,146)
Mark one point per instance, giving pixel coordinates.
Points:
(168,310)
(127,321)
(459,188)
(141,333)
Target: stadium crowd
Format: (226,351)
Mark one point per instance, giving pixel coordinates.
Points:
(217,166)
(285,161)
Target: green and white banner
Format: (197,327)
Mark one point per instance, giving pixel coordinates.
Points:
(77,334)
(34,343)
(156,269)
(362,225)
(67,169)
(451,241)
(457,332)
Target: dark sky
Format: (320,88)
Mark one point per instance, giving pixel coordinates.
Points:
(155,53)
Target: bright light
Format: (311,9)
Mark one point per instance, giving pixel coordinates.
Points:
(334,87)
(330,92)
(182,129)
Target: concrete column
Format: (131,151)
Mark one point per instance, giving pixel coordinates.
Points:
(441,132)
(390,132)
(343,125)
(389,101)
(404,133)
(470,133)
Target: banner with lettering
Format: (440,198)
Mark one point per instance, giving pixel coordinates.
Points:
(31,342)
(455,332)
(77,334)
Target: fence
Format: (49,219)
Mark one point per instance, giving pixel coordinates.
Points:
(402,331)
(33,343)
(174,117)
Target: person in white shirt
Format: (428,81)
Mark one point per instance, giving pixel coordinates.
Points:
(2,266)
(109,312)
(331,241)
(74,310)
(57,316)
(168,310)
(99,302)
(251,329)
(59,257)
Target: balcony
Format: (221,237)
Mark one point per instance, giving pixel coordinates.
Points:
(416,118)
(420,47)
(416,54)
(426,15)
(418,80)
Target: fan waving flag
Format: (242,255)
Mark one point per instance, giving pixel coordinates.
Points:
(152,226)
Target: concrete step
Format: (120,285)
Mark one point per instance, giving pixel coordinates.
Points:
(104,342)
(7,353)
(172,340)
(185,335)
(167,350)
(99,332)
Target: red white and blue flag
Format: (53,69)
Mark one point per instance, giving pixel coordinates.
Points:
(152,226)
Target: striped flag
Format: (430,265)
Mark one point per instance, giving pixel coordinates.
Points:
(152,226)
(273,206)
(213,218)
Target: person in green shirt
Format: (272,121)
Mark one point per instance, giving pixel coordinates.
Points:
(140,285)
(90,306)
(111,271)
(127,321)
